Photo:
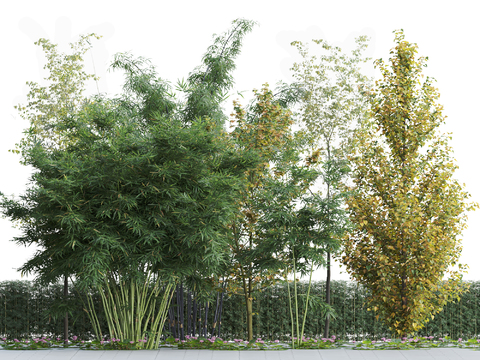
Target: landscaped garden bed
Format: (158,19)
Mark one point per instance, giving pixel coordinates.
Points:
(214,343)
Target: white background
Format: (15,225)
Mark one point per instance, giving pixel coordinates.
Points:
(175,35)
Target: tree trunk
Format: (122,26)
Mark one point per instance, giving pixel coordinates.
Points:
(215,317)
(247,291)
(249,319)
(182,328)
(327,285)
(220,312)
(206,319)
(189,313)
(194,317)
(65,321)
(327,297)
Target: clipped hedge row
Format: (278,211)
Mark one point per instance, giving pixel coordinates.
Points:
(25,312)
(353,321)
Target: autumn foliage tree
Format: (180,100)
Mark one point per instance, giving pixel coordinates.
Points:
(283,226)
(407,207)
(266,129)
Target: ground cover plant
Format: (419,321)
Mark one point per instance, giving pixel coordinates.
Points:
(217,343)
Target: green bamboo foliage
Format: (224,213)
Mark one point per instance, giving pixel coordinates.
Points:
(51,105)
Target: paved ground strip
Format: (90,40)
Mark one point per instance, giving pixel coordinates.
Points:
(175,354)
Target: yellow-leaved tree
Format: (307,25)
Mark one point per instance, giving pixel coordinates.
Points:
(407,207)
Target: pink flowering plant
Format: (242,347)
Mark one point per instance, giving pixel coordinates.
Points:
(417,342)
(38,343)
(321,343)
(51,342)
(115,344)
(216,343)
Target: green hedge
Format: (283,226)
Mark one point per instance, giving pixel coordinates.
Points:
(353,321)
(25,312)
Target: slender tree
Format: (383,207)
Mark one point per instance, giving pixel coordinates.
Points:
(302,232)
(56,103)
(407,207)
(274,188)
(264,128)
(62,99)
(331,109)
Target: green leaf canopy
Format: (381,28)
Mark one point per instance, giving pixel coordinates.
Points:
(130,198)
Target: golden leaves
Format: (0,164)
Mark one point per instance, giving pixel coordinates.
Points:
(406,208)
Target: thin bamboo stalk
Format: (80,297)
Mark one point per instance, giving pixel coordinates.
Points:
(152,305)
(65,320)
(306,303)
(160,320)
(290,306)
(130,309)
(206,319)
(189,311)
(182,318)
(140,310)
(121,297)
(220,312)
(215,317)
(194,317)
(108,312)
(93,317)
(295,288)
(119,301)
(178,311)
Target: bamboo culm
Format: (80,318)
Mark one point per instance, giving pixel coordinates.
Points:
(306,303)
(65,323)
(194,318)
(215,317)
(290,307)
(179,320)
(189,311)
(221,305)
(128,306)
(182,332)
(206,319)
